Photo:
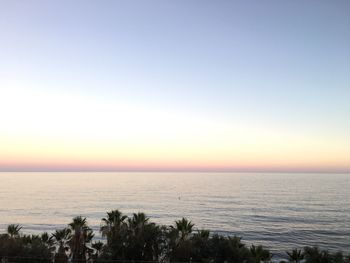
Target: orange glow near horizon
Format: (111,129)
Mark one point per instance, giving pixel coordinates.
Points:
(57,155)
(81,136)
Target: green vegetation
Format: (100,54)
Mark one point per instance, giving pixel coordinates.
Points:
(136,239)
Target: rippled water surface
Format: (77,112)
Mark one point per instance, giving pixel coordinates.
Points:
(279,210)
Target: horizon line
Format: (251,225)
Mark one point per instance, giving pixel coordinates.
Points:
(308,171)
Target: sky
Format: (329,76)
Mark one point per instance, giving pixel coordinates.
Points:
(183,85)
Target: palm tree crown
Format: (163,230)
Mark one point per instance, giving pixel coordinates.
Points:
(112,224)
(184,227)
(295,256)
(260,254)
(82,235)
(13,230)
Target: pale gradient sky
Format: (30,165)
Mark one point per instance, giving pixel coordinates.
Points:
(175,85)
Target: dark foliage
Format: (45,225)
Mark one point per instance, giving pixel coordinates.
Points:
(136,239)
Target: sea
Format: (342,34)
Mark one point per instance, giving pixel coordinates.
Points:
(282,211)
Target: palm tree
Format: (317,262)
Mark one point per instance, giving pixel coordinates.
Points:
(47,240)
(136,236)
(184,227)
(200,251)
(295,256)
(154,240)
(203,234)
(137,222)
(314,255)
(61,238)
(115,229)
(260,254)
(82,235)
(112,224)
(237,251)
(180,245)
(13,230)
(97,246)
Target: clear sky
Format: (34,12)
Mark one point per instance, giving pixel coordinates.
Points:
(175,85)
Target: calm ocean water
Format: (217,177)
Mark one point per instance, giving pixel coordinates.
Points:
(282,211)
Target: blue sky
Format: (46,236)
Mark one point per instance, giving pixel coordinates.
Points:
(271,64)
